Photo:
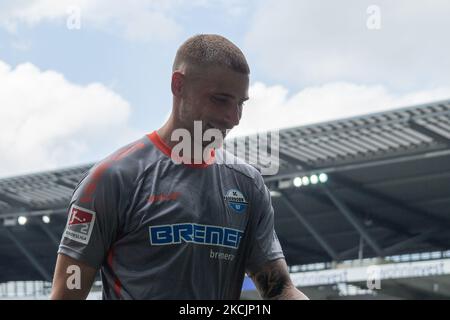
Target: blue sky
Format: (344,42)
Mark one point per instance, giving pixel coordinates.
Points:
(138,70)
(70,97)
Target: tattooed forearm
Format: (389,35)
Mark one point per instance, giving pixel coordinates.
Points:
(273,282)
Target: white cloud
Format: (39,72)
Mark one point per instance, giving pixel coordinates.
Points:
(272,107)
(307,42)
(140,20)
(136,20)
(47,122)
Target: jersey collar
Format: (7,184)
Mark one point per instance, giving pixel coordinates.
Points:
(164,148)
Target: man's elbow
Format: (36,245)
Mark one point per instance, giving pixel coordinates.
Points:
(60,293)
(289,292)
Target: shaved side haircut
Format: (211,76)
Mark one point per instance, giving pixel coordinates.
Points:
(206,50)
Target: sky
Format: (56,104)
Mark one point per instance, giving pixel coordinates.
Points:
(81,78)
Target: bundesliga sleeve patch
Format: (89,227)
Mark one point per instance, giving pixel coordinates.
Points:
(80,224)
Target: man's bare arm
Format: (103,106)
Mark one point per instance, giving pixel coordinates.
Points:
(273,282)
(61,289)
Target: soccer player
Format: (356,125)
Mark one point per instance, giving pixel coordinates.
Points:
(166,225)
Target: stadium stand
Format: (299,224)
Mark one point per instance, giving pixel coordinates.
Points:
(372,190)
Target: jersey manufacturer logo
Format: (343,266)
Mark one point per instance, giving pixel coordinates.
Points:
(236,201)
(163,197)
(195,233)
(80,224)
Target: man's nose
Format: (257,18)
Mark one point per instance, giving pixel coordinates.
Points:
(233,116)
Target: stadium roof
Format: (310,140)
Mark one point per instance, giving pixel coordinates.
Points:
(387,193)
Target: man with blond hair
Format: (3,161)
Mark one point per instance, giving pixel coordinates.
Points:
(161,224)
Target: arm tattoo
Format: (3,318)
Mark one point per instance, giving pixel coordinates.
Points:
(271,281)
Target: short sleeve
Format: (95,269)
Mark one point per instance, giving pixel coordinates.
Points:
(92,217)
(264,244)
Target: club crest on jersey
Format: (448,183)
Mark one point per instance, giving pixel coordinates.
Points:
(80,224)
(236,201)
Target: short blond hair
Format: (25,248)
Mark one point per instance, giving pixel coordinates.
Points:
(210,50)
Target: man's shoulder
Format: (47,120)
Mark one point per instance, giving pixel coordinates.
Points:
(238,165)
(126,163)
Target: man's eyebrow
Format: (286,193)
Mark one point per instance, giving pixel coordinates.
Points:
(224,94)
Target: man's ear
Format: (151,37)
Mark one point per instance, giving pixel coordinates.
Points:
(177,84)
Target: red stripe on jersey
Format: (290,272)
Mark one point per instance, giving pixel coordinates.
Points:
(105,164)
(122,154)
(117,287)
(117,283)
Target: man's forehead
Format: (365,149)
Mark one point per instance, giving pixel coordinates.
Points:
(228,89)
(220,78)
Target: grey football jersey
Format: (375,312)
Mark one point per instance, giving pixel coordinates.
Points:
(161,230)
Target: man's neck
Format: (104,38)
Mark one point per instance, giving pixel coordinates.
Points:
(165,134)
